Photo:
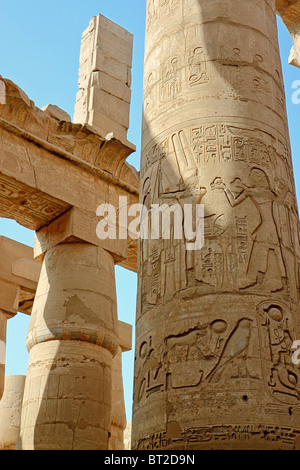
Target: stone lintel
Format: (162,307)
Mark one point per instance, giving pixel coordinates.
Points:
(10,411)
(9,298)
(19,276)
(76,226)
(57,113)
(17,264)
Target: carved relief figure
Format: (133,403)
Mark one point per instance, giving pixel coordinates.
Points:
(281,375)
(197,67)
(236,348)
(204,354)
(152,11)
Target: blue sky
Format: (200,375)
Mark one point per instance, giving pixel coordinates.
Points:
(39,51)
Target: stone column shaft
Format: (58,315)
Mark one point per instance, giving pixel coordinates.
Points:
(9,301)
(10,411)
(215,326)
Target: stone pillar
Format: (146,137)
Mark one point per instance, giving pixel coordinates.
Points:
(103,100)
(72,339)
(118,421)
(9,301)
(10,411)
(215,326)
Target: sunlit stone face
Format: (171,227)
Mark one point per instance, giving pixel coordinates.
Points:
(215,326)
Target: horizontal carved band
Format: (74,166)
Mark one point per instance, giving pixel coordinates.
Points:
(240,432)
(72,333)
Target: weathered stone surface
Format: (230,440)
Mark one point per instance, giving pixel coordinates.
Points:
(10,411)
(289,10)
(57,113)
(215,326)
(67,397)
(127,436)
(72,339)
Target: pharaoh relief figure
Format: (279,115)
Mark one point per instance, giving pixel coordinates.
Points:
(215,326)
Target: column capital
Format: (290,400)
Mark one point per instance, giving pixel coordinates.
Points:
(81,226)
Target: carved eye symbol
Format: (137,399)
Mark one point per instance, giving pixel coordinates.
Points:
(293,379)
(143,350)
(193,78)
(275,313)
(259,58)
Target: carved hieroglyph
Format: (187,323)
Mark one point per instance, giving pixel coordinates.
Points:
(213,364)
(10,411)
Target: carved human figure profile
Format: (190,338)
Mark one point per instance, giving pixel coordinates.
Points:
(265,236)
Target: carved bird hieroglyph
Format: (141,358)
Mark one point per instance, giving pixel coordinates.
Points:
(235,347)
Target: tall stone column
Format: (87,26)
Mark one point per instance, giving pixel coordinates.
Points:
(72,340)
(215,326)
(10,411)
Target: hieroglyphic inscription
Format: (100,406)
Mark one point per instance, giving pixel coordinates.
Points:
(29,207)
(206,354)
(158,9)
(191,437)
